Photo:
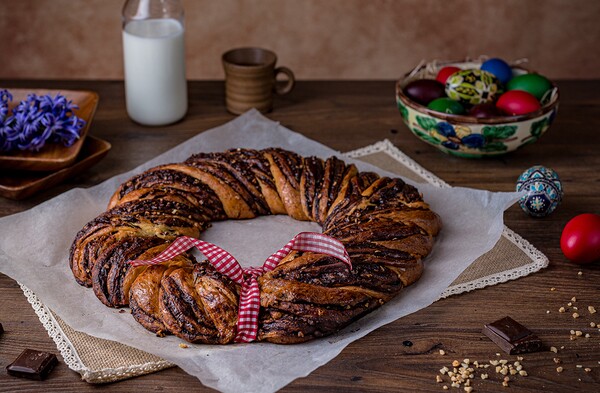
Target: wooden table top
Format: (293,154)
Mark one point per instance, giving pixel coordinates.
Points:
(347,115)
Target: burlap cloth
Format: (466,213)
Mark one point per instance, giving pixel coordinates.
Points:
(101,361)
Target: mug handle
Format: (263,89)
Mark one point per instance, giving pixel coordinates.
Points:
(287,86)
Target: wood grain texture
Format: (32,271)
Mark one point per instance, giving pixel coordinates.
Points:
(345,116)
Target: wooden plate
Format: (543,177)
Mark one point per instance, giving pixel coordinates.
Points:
(53,156)
(22,184)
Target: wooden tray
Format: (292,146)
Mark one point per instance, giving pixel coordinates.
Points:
(22,184)
(53,156)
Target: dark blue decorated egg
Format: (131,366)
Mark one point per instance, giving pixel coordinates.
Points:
(544,191)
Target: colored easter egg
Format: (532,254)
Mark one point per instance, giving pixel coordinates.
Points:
(535,84)
(580,239)
(485,111)
(544,191)
(424,91)
(446,105)
(472,87)
(445,72)
(517,102)
(499,68)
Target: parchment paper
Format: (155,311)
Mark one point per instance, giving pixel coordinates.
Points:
(34,249)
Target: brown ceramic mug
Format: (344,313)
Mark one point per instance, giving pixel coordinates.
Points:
(251,79)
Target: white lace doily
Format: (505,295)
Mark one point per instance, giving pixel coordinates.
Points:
(74,362)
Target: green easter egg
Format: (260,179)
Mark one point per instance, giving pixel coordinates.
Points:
(535,84)
(473,87)
(446,105)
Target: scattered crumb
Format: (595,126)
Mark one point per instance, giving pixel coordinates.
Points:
(182,345)
(578,333)
(580,273)
(592,310)
(562,309)
(442,352)
(559,369)
(547,311)
(575,315)
(587,335)
(556,360)
(592,324)
(445,387)
(484,376)
(438,379)
(579,366)
(573,299)
(468,389)
(569,304)
(553,289)
(587,369)
(553,349)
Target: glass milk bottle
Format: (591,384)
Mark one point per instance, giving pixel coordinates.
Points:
(154,58)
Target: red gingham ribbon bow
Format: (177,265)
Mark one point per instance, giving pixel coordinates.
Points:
(225,263)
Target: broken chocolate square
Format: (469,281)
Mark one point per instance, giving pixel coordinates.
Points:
(32,364)
(512,337)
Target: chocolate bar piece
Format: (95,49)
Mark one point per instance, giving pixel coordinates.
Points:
(512,337)
(32,364)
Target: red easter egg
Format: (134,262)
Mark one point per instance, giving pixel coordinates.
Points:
(445,72)
(580,239)
(517,102)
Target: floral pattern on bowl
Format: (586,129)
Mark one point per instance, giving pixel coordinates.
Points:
(470,137)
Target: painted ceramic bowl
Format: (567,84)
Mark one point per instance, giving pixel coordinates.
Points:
(468,136)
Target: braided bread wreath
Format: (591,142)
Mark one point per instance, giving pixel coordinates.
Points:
(383,222)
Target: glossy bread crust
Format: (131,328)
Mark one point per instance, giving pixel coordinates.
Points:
(383,222)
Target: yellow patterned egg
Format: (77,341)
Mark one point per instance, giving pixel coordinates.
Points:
(473,87)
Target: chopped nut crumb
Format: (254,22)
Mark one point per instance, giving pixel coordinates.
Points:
(445,387)
(587,335)
(559,369)
(553,349)
(578,333)
(467,361)
(572,331)
(556,360)
(442,352)
(523,373)
(547,311)
(438,379)
(580,273)
(592,324)
(504,383)
(579,366)
(553,289)
(573,299)
(444,370)
(569,304)
(575,308)
(494,362)
(562,347)
(587,369)
(182,345)
(562,309)
(591,309)
(468,389)
(455,363)
(575,315)
(484,376)
(520,358)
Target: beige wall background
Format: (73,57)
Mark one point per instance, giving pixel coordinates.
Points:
(318,39)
